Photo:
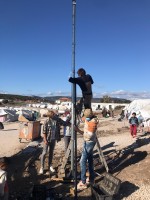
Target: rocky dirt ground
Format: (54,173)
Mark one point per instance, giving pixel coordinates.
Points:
(128,160)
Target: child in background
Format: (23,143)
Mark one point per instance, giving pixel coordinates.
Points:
(89,136)
(133,121)
(3,179)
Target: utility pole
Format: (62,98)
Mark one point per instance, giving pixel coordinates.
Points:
(73,135)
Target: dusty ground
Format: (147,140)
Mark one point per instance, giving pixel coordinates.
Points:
(128,159)
(9,142)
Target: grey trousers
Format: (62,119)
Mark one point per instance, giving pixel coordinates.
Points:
(67,141)
(50,149)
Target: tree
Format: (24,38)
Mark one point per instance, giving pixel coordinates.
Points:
(106,99)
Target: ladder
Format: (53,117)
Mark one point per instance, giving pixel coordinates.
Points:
(101,155)
(68,152)
(65,160)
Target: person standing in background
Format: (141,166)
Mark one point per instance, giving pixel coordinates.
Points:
(133,121)
(51,134)
(67,130)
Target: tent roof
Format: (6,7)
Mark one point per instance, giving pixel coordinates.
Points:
(2,112)
(140,106)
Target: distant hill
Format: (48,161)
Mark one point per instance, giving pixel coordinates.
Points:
(18,97)
(94,100)
(52,99)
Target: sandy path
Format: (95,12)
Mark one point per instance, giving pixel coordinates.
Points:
(9,142)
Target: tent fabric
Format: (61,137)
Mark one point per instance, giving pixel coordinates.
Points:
(2,112)
(11,115)
(8,115)
(140,107)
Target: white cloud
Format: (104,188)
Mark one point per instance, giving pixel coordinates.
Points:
(58,92)
(118,92)
(49,93)
(3,92)
(131,95)
(125,94)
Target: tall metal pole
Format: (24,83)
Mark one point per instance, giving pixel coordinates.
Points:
(73,136)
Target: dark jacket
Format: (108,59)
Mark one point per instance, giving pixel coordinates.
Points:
(134,121)
(83,83)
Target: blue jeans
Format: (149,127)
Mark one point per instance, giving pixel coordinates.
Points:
(87,155)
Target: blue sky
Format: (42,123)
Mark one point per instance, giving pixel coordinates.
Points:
(112,44)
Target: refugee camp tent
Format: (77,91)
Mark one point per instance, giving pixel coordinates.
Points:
(43,112)
(3,115)
(11,115)
(140,107)
(55,107)
(49,106)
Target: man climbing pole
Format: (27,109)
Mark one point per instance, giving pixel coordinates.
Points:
(85,82)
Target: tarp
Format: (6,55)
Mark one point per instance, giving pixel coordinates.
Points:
(11,115)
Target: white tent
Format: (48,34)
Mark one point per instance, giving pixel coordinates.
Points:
(11,115)
(140,107)
(3,115)
(2,112)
